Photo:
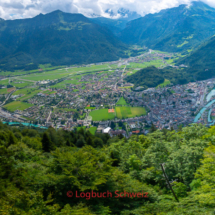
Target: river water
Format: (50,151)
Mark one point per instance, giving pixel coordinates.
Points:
(25,124)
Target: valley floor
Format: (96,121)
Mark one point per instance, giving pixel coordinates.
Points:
(96,96)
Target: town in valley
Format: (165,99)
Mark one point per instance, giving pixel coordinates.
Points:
(97,98)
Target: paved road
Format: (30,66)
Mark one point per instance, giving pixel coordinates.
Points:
(49,116)
(9,95)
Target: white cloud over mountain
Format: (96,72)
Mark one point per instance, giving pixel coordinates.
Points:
(14,9)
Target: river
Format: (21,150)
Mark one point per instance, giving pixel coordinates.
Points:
(25,124)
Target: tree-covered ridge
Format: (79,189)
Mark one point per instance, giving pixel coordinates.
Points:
(38,169)
(152,76)
(57,38)
(173,30)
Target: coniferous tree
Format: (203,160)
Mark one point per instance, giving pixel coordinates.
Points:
(46,143)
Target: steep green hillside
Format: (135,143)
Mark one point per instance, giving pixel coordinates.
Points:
(203,56)
(57,38)
(201,62)
(174,29)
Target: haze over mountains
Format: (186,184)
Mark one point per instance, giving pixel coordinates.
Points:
(174,29)
(116,25)
(62,38)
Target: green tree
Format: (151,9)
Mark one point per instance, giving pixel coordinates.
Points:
(47,145)
(98,142)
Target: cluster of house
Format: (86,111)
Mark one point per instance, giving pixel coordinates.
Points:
(167,107)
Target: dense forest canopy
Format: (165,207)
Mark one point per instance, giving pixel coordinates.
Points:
(152,76)
(39,168)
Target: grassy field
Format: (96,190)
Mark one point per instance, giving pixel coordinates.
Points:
(156,63)
(4,82)
(79,128)
(3,91)
(129,112)
(164,84)
(17,105)
(49,92)
(121,101)
(27,93)
(121,112)
(102,114)
(133,71)
(92,130)
(6,90)
(23,91)
(21,85)
(90,108)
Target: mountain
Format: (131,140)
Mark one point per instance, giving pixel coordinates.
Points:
(116,25)
(201,62)
(57,38)
(176,29)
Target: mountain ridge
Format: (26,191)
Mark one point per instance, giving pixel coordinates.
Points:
(174,30)
(57,38)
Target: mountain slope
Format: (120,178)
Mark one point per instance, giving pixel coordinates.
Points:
(201,62)
(203,56)
(57,38)
(174,29)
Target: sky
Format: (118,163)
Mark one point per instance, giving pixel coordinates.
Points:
(16,9)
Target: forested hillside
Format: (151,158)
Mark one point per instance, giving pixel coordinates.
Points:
(202,57)
(56,38)
(152,76)
(172,30)
(38,169)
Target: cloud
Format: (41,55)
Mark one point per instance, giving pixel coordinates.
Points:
(15,9)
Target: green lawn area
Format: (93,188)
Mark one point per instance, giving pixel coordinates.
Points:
(79,128)
(121,101)
(3,91)
(102,114)
(90,108)
(4,82)
(21,85)
(164,84)
(17,105)
(156,63)
(49,92)
(170,61)
(92,130)
(24,91)
(28,93)
(130,112)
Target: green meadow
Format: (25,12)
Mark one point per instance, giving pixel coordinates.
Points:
(164,84)
(129,112)
(92,130)
(102,114)
(121,102)
(17,105)
(121,112)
